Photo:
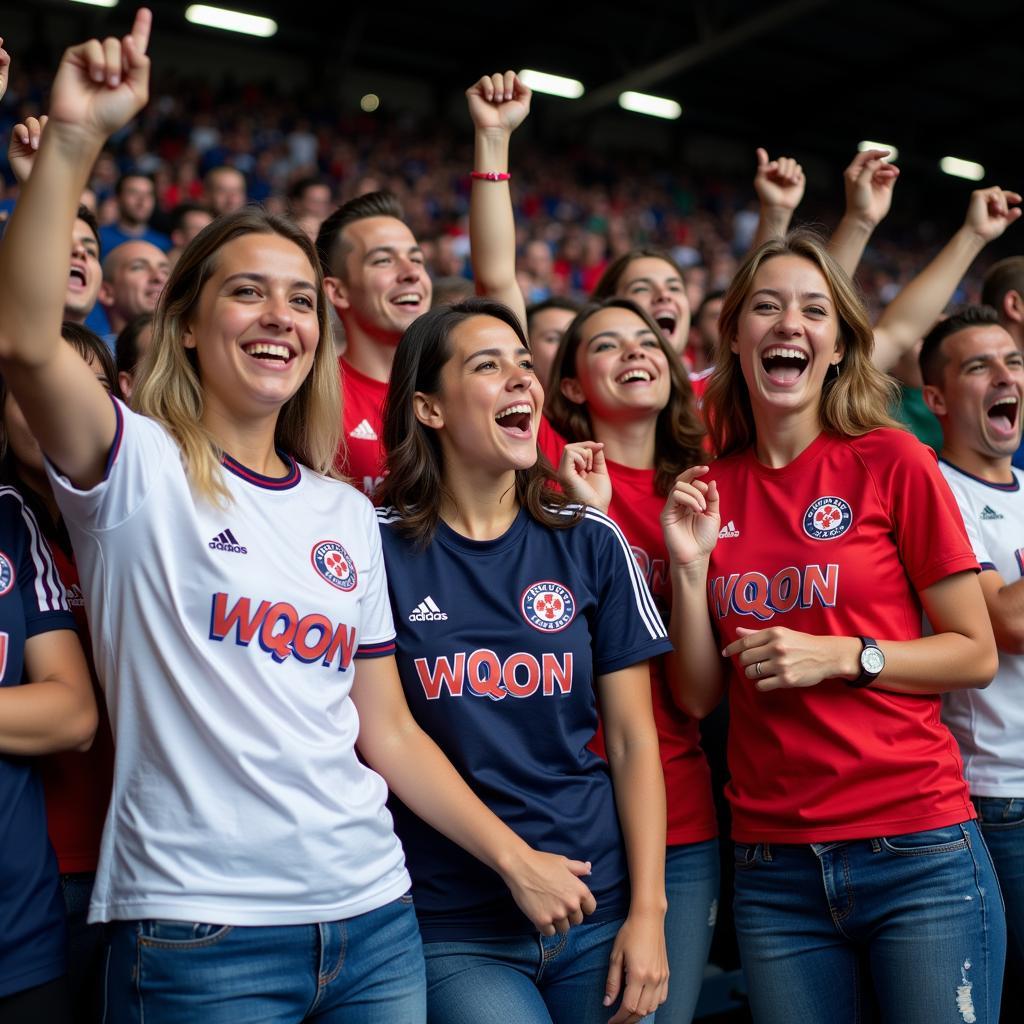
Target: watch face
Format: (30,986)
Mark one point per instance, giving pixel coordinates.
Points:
(872,660)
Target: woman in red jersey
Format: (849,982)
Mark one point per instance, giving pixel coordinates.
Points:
(805,556)
(620,392)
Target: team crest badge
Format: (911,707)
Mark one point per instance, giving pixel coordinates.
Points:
(334,564)
(548,606)
(827,518)
(6,574)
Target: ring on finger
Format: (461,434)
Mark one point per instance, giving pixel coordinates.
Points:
(757,669)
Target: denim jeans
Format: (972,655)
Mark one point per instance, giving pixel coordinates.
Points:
(691,885)
(908,927)
(1002,825)
(522,979)
(364,970)
(86,947)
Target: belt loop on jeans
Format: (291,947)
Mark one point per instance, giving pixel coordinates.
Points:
(876,846)
(766,852)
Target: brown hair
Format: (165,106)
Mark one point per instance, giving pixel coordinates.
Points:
(170,391)
(608,285)
(854,400)
(415,484)
(679,430)
(330,245)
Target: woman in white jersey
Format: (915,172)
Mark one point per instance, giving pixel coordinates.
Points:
(248,863)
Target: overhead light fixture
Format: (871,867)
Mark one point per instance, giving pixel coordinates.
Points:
(962,168)
(370,102)
(231,21)
(97,3)
(893,151)
(655,106)
(553,85)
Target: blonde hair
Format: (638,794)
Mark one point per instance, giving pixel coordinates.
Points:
(855,399)
(170,390)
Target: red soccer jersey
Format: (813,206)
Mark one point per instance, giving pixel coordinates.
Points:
(77,785)
(699,383)
(636,507)
(837,543)
(550,442)
(361,453)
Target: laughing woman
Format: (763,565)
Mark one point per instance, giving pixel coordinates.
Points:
(239,615)
(861,877)
(515,611)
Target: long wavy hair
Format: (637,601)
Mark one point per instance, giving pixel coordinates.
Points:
(855,398)
(170,389)
(679,431)
(415,482)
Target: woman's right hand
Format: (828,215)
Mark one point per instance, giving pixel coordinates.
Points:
(548,889)
(101,86)
(21,153)
(583,474)
(690,519)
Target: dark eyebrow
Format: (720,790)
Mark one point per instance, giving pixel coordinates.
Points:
(250,275)
(392,250)
(495,352)
(619,334)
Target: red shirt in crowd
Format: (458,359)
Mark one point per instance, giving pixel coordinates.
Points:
(361,452)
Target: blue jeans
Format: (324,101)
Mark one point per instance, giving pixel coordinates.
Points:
(364,970)
(910,927)
(691,885)
(1002,825)
(522,979)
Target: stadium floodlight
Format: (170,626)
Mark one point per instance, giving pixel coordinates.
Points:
(231,21)
(655,106)
(553,85)
(962,168)
(97,3)
(894,153)
(369,103)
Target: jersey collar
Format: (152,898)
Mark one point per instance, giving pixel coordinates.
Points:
(270,483)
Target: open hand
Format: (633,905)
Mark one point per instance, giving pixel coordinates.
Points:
(498,102)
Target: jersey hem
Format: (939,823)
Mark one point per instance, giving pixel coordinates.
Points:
(180,909)
(865,830)
(643,653)
(12,984)
(996,791)
(689,836)
(942,570)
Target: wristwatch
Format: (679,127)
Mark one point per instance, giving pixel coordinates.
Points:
(872,661)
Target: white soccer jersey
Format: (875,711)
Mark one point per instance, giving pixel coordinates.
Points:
(225,637)
(989,723)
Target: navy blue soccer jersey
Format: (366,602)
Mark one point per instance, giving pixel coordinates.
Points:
(32,601)
(499,644)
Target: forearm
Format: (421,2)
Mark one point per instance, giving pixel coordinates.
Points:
(772,223)
(44,717)
(695,667)
(492,229)
(1005,602)
(639,783)
(34,253)
(848,242)
(913,312)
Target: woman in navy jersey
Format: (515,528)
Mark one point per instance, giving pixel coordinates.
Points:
(515,611)
(239,615)
(620,394)
(804,557)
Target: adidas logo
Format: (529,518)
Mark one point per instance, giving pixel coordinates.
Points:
(427,611)
(729,530)
(990,513)
(363,432)
(226,542)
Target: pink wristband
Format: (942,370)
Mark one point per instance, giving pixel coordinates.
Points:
(490,175)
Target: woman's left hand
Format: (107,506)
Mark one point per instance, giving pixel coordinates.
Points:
(583,474)
(639,956)
(780,658)
(498,102)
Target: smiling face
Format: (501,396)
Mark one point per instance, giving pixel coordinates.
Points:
(787,337)
(255,327)
(84,277)
(488,406)
(979,400)
(134,275)
(657,287)
(385,285)
(622,370)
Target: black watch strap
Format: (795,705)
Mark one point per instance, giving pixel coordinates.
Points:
(868,676)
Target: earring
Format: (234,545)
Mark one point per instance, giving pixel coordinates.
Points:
(832,373)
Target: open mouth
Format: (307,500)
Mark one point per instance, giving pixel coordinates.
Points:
(783,365)
(409,300)
(635,375)
(268,352)
(516,419)
(1002,415)
(667,322)
(77,276)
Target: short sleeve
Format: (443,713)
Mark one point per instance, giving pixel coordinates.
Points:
(139,454)
(627,627)
(929,529)
(377,628)
(42,593)
(974,536)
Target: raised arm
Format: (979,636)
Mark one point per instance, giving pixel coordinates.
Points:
(498,104)
(779,185)
(99,88)
(868,183)
(690,522)
(913,312)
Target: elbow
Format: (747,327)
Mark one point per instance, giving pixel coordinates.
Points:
(1010,637)
(983,668)
(696,706)
(82,730)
